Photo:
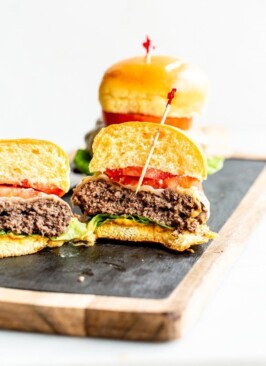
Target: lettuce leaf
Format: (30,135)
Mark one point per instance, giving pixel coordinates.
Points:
(3,232)
(82,160)
(76,231)
(100,219)
(214,164)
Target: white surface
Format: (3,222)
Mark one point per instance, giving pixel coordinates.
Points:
(52,56)
(230,332)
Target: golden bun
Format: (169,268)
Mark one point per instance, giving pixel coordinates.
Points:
(128,144)
(34,163)
(133,86)
(12,245)
(135,232)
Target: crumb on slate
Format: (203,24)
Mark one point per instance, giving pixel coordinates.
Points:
(81,278)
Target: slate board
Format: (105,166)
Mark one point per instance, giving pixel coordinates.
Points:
(128,269)
(134,291)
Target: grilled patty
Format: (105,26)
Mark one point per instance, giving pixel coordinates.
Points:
(170,208)
(44,216)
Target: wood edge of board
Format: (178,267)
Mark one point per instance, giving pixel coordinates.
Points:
(131,318)
(245,155)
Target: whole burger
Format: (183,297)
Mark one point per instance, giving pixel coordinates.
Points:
(134,90)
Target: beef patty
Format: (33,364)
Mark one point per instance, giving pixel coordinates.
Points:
(44,216)
(170,208)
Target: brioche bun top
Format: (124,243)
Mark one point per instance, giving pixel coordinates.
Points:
(133,86)
(37,164)
(128,144)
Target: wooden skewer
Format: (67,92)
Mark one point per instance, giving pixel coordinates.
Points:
(155,139)
(148,58)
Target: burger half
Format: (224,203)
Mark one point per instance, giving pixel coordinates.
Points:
(170,208)
(33,176)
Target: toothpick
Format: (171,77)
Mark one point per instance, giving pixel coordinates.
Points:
(148,45)
(148,58)
(170,97)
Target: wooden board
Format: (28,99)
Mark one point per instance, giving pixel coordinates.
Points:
(133,291)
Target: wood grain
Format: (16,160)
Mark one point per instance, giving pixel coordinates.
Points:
(196,288)
(131,318)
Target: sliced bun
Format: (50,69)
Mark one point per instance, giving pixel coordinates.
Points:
(33,163)
(133,86)
(135,232)
(128,144)
(15,245)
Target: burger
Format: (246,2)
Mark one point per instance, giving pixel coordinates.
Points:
(134,90)
(34,175)
(170,207)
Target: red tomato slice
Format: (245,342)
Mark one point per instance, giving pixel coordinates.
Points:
(184,182)
(153,177)
(151,173)
(135,171)
(49,189)
(35,187)
(114,118)
(25,193)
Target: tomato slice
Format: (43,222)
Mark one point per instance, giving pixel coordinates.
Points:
(49,189)
(153,177)
(184,182)
(25,193)
(114,118)
(38,187)
(135,171)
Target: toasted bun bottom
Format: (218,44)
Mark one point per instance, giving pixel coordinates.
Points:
(135,232)
(14,245)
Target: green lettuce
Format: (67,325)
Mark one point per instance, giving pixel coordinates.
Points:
(100,219)
(3,232)
(82,160)
(214,164)
(76,230)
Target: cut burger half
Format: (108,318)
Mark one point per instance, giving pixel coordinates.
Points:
(170,208)
(34,175)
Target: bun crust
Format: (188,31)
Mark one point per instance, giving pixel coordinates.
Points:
(34,163)
(133,86)
(128,144)
(135,232)
(14,245)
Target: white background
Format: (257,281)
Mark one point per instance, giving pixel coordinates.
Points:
(53,54)
(52,57)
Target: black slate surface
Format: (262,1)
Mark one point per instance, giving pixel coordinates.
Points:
(128,269)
